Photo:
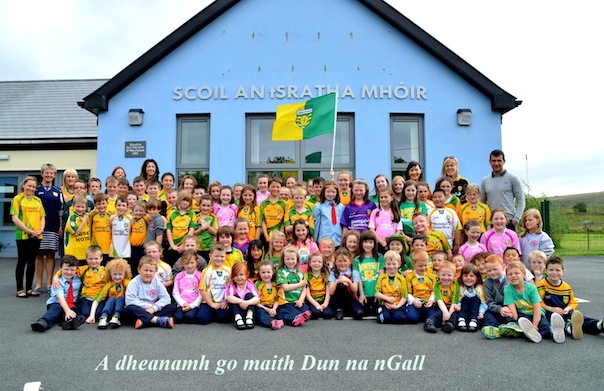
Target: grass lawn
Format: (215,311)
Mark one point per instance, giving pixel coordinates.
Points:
(577,244)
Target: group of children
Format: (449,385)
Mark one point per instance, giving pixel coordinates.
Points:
(278,256)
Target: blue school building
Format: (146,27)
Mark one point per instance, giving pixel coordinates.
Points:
(203,100)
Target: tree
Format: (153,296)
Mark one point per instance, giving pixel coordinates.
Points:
(580,207)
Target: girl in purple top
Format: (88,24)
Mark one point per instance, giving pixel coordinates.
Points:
(186,288)
(242,295)
(356,214)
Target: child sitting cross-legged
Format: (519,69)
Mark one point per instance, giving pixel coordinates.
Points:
(446,294)
(391,291)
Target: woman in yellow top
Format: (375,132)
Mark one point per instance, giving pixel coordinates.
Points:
(70,177)
(29,218)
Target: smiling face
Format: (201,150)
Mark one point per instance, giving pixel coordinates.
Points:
(248,197)
(451,168)
(188,185)
(226,196)
(493,270)
(119,173)
(330,193)
(391,265)
(205,207)
(274,188)
(446,276)
(290,260)
(290,182)
(381,182)
(510,255)
(358,192)
(515,276)
(420,267)
(256,253)
(473,233)
(415,173)
(447,187)
(398,185)
(48,176)
(496,163)
(117,276)
(368,246)
(121,207)
(240,278)
(439,199)
(554,273)
(217,257)
(147,272)
(80,208)
(327,249)
(420,223)
(266,273)
(242,230)
(68,272)
(151,169)
(469,279)
(344,181)
(301,231)
(423,193)
(262,184)
(167,182)
(499,221)
(385,198)
(352,243)
(29,188)
(278,243)
(410,193)
(93,259)
(343,263)
(315,263)
(138,212)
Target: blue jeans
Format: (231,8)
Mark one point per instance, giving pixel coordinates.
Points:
(236,310)
(134,312)
(469,308)
(86,305)
(544,326)
(437,318)
(415,315)
(189,316)
(54,314)
(288,312)
(327,313)
(207,315)
(262,317)
(114,305)
(397,316)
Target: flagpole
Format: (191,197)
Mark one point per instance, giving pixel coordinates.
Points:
(333,144)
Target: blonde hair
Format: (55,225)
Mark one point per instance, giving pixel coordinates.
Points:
(419,256)
(537,215)
(69,172)
(289,250)
(390,254)
(447,265)
(537,254)
(472,188)
(516,265)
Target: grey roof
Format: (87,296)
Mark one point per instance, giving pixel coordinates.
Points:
(45,111)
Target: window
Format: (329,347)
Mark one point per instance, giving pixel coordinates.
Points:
(406,141)
(193,147)
(304,159)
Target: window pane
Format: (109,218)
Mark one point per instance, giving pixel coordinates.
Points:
(202,177)
(318,149)
(405,141)
(263,150)
(9,187)
(252,175)
(193,143)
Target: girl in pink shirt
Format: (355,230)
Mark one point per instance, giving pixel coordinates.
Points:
(304,243)
(386,220)
(225,210)
(186,288)
(242,295)
(498,238)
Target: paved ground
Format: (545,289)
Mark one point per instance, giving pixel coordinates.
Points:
(315,356)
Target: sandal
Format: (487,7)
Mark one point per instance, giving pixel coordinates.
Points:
(32,293)
(22,295)
(249,322)
(240,324)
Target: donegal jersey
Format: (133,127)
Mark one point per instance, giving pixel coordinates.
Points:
(369,269)
(180,224)
(286,276)
(272,214)
(214,281)
(449,295)
(101,231)
(111,290)
(225,215)
(139,231)
(496,243)
(392,286)
(345,196)
(233,257)
(268,294)
(560,296)
(479,212)
(93,280)
(120,236)
(454,203)
(293,215)
(420,287)
(446,221)
(408,209)
(252,215)
(30,211)
(206,239)
(76,245)
(317,286)
(437,242)
(111,205)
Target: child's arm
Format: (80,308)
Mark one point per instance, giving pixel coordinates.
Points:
(69,313)
(513,311)
(82,225)
(362,298)
(325,303)
(536,315)
(91,319)
(207,298)
(300,301)
(456,240)
(291,287)
(444,310)
(173,246)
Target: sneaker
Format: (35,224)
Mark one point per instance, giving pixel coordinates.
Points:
(115,322)
(491,332)
(430,328)
(276,324)
(307,314)
(138,324)
(510,330)
(40,326)
(557,327)
(103,324)
(299,320)
(576,324)
(448,327)
(165,322)
(528,330)
(461,325)
(339,314)
(473,326)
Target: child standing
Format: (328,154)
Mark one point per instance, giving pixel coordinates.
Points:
(147,300)
(304,243)
(272,209)
(180,224)
(77,230)
(532,237)
(207,226)
(445,220)
(138,233)
(473,304)
(262,186)
(113,294)
(100,226)
(472,246)
(242,240)
(344,286)
(350,241)
(214,280)
(292,289)
(299,210)
(498,238)
(385,220)
(61,305)
(391,290)
(250,211)
(157,223)
(474,209)
(446,294)
(344,180)
(369,265)
(266,310)
(436,241)
(424,194)
(524,302)
(242,295)
(318,294)
(328,214)
(121,226)
(356,213)
(420,288)
(409,205)
(225,210)
(275,247)
(451,200)
(111,189)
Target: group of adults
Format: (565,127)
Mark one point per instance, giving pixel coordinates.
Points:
(36,210)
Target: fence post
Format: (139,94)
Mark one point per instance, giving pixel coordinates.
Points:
(545,215)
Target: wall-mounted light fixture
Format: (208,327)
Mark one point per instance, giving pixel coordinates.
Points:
(464,117)
(135,117)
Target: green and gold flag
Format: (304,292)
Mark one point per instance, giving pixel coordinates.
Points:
(299,121)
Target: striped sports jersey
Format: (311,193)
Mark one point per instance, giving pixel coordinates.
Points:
(496,243)
(101,231)
(233,257)
(180,224)
(272,214)
(560,296)
(139,231)
(120,236)
(407,210)
(110,290)
(420,287)
(317,286)
(454,203)
(292,215)
(449,295)
(93,280)
(268,294)
(30,211)
(392,286)
(206,239)
(252,215)
(437,242)
(479,212)
(446,221)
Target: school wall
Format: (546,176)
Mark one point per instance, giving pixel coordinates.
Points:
(62,159)
(336,42)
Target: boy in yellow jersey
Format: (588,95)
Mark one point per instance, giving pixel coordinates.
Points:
(94,277)
(138,234)
(212,287)
(139,187)
(171,197)
(300,209)
(79,188)
(100,226)
(111,189)
(436,241)
(226,235)
(420,288)
(272,209)
(77,230)
(344,180)
(167,183)
(446,294)
(123,187)
(437,260)
(474,209)
(391,291)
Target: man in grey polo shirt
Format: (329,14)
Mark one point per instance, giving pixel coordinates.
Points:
(502,190)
